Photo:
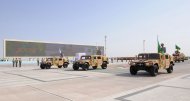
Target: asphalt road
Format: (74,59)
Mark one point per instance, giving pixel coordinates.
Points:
(30,83)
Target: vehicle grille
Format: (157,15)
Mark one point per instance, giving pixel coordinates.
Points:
(140,64)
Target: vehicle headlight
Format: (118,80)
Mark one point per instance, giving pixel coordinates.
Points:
(132,63)
(149,64)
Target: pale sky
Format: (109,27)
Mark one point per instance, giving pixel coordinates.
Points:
(125,22)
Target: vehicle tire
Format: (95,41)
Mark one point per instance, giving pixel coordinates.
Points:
(170,69)
(94,67)
(59,66)
(154,70)
(75,67)
(182,60)
(85,66)
(65,65)
(133,70)
(42,66)
(48,66)
(104,65)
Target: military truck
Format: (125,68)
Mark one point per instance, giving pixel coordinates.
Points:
(56,62)
(152,62)
(178,57)
(94,61)
(186,58)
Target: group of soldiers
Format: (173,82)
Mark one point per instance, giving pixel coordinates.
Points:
(17,62)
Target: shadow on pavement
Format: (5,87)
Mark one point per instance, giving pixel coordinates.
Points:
(140,74)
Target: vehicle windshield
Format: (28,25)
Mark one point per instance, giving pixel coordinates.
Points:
(85,57)
(50,59)
(149,56)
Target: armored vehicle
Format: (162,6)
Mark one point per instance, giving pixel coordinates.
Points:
(94,61)
(178,57)
(152,62)
(56,62)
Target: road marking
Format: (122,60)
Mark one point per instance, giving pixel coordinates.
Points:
(123,98)
(51,93)
(25,76)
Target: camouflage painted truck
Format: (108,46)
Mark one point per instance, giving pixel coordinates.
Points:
(178,57)
(152,63)
(56,62)
(93,61)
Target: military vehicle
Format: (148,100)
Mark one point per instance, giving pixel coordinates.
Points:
(56,62)
(186,58)
(178,57)
(152,62)
(91,60)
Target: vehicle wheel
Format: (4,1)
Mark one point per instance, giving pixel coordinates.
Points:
(104,65)
(182,60)
(133,70)
(94,67)
(154,70)
(59,66)
(75,67)
(85,67)
(48,66)
(170,69)
(65,65)
(42,66)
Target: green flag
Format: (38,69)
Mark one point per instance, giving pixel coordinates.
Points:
(159,47)
(177,47)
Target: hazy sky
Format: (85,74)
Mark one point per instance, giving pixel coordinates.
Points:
(125,22)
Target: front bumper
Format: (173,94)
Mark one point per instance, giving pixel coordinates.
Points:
(141,66)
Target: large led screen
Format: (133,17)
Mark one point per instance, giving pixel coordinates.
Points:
(36,49)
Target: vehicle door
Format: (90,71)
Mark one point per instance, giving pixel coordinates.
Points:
(99,60)
(60,62)
(167,59)
(50,60)
(162,61)
(93,61)
(54,61)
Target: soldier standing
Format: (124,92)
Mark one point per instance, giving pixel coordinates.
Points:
(16,62)
(163,48)
(20,62)
(111,60)
(38,62)
(13,62)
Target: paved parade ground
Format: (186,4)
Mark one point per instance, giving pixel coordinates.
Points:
(30,83)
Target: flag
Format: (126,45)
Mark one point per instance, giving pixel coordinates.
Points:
(177,47)
(61,54)
(60,51)
(159,47)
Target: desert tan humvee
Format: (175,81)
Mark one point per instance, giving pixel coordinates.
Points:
(152,62)
(178,57)
(94,60)
(56,62)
